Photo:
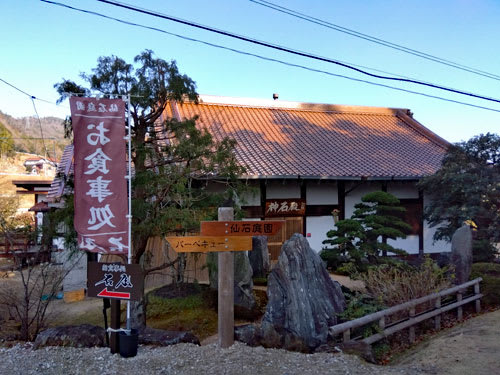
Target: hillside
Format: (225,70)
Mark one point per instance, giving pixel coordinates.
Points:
(25,128)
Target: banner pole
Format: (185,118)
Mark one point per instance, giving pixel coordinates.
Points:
(129,216)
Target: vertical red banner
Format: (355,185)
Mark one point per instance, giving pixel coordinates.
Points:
(101,205)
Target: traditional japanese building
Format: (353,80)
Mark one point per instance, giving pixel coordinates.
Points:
(310,162)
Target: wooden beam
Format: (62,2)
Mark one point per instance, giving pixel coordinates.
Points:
(225,269)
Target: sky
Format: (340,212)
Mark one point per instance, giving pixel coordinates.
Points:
(43,43)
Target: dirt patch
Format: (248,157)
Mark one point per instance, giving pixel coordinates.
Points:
(470,347)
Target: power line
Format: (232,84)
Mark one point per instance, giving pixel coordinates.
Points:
(288,50)
(373,39)
(25,93)
(41,128)
(270,59)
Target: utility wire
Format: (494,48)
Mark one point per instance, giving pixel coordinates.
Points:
(268,58)
(288,50)
(41,129)
(25,93)
(373,39)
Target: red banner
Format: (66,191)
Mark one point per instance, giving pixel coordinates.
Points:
(101,206)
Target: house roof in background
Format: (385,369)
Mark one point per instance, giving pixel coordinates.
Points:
(289,139)
(64,169)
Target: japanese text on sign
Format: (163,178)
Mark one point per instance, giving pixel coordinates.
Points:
(285,207)
(100,168)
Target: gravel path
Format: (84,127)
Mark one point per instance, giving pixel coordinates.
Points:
(186,359)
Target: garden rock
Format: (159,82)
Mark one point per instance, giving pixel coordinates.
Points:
(303,300)
(461,253)
(259,256)
(243,283)
(77,336)
(248,334)
(359,348)
(159,337)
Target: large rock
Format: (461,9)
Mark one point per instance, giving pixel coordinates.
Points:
(302,299)
(461,253)
(259,256)
(78,336)
(243,283)
(159,337)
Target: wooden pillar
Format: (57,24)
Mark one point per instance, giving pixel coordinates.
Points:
(225,270)
(437,318)
(341,199)
(459,308)
(478,302)
(115,324)
(412,328)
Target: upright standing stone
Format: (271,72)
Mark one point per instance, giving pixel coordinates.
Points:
(302,299)
(243,283)
(461,253)
(259,256)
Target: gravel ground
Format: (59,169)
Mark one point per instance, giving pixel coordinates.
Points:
(186,359)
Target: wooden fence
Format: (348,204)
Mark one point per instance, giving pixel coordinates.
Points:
(345,329)
(159,252)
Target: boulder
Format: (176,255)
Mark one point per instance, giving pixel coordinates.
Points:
(303,300)
(358,348)
(78,336)
(159,337)
(259,256)
(243,283)
(461,253)
(248,334)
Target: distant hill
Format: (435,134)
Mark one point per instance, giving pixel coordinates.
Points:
(24,129)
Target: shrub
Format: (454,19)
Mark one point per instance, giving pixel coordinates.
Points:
(490,286)
(399,283)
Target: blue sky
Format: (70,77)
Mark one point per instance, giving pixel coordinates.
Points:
(42,43)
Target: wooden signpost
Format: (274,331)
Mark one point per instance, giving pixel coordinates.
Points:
(202,244)
(225,236)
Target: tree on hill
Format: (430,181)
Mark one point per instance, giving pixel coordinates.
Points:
(6,142)
(467,187)
(362,239)
(173,160)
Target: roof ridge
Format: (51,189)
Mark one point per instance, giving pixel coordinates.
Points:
(299,106)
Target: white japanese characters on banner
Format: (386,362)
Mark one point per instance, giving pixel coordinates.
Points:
(100,167)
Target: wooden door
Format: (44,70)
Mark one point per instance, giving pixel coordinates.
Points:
(292,225)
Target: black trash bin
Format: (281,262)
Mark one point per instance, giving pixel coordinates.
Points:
(128,343)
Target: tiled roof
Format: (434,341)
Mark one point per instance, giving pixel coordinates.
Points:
(64,169)
(283,139)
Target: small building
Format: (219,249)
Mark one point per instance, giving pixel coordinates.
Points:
(39,165)
(309,162)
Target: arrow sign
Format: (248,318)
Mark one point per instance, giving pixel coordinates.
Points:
(108,294)
(203,244)
(241,228)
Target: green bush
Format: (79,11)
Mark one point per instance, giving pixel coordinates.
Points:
(490,286)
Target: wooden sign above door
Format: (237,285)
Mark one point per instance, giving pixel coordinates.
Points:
(285,207)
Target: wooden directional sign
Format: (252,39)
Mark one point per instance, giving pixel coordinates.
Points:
(202,244)
(115,280)
(240,228)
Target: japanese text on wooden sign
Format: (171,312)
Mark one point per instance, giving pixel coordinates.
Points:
(100,168)
(115,280)
(240,228)
(285,207)
(209,243)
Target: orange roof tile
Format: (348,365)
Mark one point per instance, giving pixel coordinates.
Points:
(283,139)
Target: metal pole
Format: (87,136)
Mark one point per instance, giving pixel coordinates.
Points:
(129,216)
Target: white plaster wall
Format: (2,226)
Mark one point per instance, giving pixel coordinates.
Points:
(317,226)
(322,193)
(409,244)
(251,198)
(282,189)
(355,196)
(429,245)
